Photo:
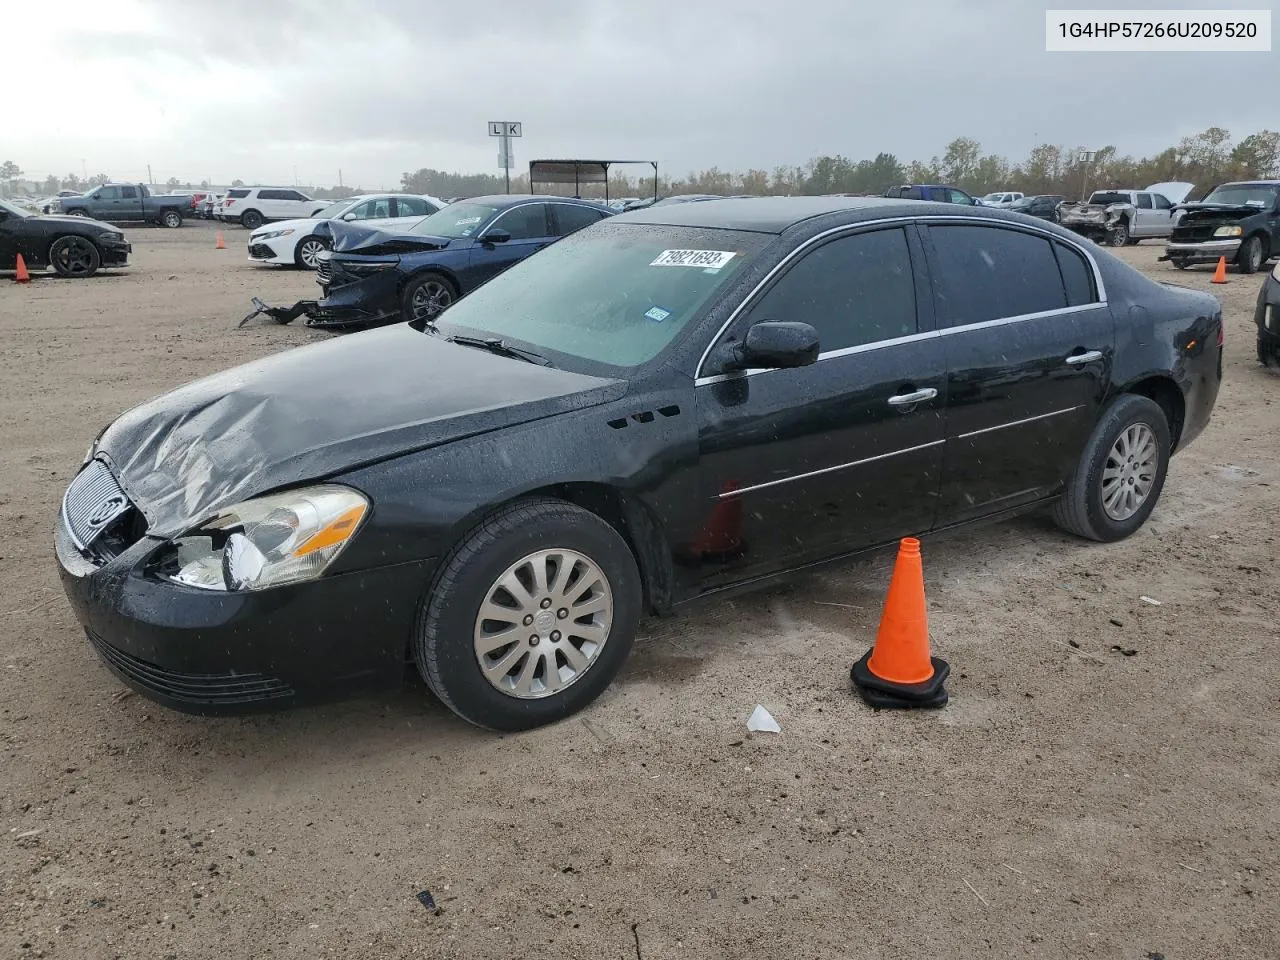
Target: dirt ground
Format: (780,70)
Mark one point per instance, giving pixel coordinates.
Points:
(1071,800)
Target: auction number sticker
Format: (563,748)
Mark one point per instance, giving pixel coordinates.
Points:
(706,259)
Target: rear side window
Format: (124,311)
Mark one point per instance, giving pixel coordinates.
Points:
(129,193)
(237,194)
(413,207)
(987,273)
(570,218)
(273,195)
(1077,277)
(852,290)
(1144,201)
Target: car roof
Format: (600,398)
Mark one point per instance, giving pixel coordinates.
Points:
(773,214)
(1251,183)
(500,200)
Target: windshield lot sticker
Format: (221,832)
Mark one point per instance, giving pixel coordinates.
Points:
(706,259)
(657,314)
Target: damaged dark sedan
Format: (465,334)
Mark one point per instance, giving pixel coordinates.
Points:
(672,403)
(376,276)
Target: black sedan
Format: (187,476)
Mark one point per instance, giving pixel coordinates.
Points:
(1267,317)
(373,276)
(672,403)
(73,246)
(1044,206)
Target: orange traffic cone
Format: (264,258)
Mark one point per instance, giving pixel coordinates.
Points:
(21,276)
(1220,275)
(898,671)
(220,244)
(720,537)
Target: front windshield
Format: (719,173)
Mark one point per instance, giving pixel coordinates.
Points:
(335,210)
(455,221)
(994,196)
(1245,194)
(13,211)
(613,294)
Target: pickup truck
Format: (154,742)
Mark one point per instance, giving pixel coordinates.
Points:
(1239,221)
(126,202)
(1123,217)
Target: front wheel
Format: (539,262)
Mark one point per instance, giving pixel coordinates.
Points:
(1121,472)
(1249,259)
(307,256)
(171,219)
(74,257)
(251,219)
(530,617)
(427,296)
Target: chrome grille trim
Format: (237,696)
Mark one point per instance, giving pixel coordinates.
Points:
(93,501)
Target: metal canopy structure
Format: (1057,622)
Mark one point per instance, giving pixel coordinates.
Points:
(579,172)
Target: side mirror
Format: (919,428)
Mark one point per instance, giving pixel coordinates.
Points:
(775,343)
(496,236)
(349,215)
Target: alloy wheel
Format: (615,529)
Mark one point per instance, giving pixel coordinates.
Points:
(430,300)
(1130,471)
(73,257)
(309,252)
(543,623)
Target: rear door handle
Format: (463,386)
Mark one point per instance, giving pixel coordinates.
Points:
(908,399)
(1087,357)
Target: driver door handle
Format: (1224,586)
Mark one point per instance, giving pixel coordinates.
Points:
(1088,356)
(908,399)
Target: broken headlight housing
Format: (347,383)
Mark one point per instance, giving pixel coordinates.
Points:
(266,542)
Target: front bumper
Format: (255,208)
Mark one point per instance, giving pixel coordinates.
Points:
(208,652)
(1204,251)
(370,300)
(270,251)
(115,254)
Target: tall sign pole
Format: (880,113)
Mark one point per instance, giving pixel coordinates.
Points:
(504,130)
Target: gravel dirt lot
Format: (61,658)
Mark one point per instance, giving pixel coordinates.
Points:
(1070,801)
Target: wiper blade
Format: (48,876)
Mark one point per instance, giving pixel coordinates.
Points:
(501,348)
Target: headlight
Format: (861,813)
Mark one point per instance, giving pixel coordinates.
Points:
(267,542)
(271,235)
(367,266)
(1228,231)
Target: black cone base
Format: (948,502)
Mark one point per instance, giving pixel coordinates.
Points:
(884,695)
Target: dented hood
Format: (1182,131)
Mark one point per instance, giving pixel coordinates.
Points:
(315,411)
(377,240)
(1218,211)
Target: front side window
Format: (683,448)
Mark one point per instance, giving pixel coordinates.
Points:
(606,299)
(853,290)
(959,196)
(1162,202)
(525,222)
(989,273)
(109,193)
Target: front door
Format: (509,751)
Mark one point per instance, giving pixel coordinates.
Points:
(801,464)
(1029,348)
(530,231)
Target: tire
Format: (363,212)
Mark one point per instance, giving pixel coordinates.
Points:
(172,219)
(427,296)
(1180,264)
(251,220)
(74,257)
(1119,234)
(304,255)
(449,629)
(79,212)
(1251,256)
(1082,510)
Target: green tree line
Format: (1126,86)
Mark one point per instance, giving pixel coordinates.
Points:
(1205,159)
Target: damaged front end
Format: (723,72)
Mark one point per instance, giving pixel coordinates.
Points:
(1097,221)
(359,280)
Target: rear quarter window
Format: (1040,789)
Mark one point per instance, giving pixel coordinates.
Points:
(1077,276)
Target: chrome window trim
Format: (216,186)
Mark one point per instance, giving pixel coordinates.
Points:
(815,473)
(700,380)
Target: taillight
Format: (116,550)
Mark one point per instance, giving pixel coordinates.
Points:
(227,202)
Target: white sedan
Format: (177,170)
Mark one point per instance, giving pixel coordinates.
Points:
(295,242)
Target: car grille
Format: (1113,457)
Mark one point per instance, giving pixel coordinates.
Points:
(197,689)
(260,251)
(93,501)
(324,270)
(1195,233)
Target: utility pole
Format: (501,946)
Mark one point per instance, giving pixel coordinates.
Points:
(340,186)
(1086,157)
(151,181)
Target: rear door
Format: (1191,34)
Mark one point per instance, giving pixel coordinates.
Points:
(820,460)
(1029,344)
(130,206)
(567,218)
(1144,216)
(531,230)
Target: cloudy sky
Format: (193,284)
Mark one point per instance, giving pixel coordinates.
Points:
(256,89)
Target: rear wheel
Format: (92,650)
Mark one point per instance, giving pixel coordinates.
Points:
(1119,235)
(251,219)
(1180,264)
(74,257)
(1120,474)
(531,616)
(307,254)
(427,296)
(171,219)
(1250,257)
